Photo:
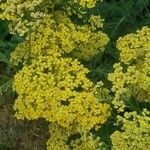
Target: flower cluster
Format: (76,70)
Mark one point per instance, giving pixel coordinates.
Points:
(57,89)
(131,76)
(135,132)
(71,139)
(59,32)
(87,3)
(27,15)
(23,15)
(134,48)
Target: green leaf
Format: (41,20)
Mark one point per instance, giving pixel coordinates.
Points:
(5,84)
(3,58)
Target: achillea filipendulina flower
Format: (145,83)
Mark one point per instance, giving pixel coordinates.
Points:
(71,139)
(27,15)
(59,32)
(131,77)
(135,132)
(58,90)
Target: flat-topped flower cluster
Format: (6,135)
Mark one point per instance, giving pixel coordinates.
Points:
(131,76)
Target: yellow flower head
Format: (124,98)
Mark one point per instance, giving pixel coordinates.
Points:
(134,80)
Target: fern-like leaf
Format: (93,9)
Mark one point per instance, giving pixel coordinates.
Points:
(3,58)
(5,84)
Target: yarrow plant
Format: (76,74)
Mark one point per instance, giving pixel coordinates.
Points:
(135,131)
(27,15)
(56,89)
(130,80)
(50,84)
(59,32)
(131,75)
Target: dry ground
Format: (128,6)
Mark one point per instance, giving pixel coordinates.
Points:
(20,135)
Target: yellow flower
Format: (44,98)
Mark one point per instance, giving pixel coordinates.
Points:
(135,132)
(132,80)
